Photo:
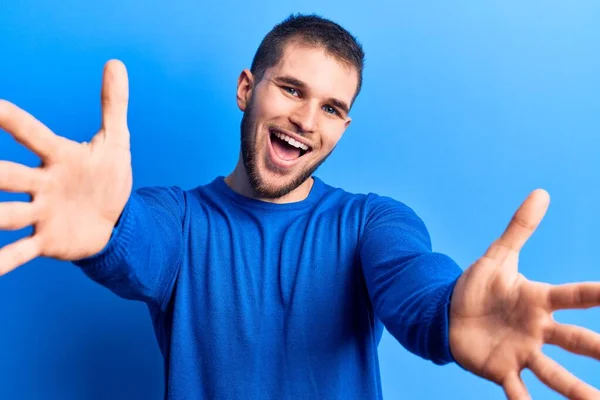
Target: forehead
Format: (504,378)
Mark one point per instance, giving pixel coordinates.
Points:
(323,74)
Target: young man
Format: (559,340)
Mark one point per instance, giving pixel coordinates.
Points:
(269,283)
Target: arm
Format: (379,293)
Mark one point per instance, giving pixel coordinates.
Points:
(410,286)
(82,207)
(143,255)
(495,320)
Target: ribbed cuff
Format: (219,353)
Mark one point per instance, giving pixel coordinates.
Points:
(117,247)
(441,327)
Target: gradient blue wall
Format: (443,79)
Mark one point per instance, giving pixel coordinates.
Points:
(466,108)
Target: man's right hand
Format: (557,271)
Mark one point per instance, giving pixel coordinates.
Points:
(79,190)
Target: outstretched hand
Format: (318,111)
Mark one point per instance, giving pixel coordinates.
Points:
(79,190)
(499,320)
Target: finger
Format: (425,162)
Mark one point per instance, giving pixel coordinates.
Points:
(18,178)
(559,379)
(525,221)
(115,99)
(28,131)
(514,388)
(15,254)
(575,339)
(574,295)
(17,215)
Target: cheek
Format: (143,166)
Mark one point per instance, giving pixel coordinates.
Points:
(273,104)
(331,136)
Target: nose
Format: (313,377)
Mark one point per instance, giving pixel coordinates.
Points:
(304,117)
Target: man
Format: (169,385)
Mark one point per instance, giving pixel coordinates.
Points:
(269,283)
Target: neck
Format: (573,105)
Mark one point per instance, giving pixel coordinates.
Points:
(239,182)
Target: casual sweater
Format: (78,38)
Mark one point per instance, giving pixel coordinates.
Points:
(257,300)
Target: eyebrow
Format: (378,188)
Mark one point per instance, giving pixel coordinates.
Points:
(301,85)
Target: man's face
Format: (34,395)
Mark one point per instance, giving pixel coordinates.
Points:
(293,118)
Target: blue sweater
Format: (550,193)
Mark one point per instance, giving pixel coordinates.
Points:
(255,300)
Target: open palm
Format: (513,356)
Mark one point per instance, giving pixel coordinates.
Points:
(499,320)
(79,190)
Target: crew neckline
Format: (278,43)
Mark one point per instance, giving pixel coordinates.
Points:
(314,195)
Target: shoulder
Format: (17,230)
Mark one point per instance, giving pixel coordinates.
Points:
(375,206)
(381,207)
(378,211)
(171,199)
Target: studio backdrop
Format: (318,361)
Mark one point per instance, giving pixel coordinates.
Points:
(466,108)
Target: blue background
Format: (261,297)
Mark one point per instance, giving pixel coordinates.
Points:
(466,108)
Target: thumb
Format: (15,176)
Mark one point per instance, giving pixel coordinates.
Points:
(525,220)
(115,99)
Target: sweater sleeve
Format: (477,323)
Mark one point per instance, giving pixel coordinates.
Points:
(410,286)
(143,255)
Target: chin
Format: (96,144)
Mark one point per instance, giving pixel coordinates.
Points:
(271,179)
(270,185)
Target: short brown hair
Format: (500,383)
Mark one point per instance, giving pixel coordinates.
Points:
(313,30)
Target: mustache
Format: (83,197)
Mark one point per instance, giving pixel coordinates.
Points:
(283,128)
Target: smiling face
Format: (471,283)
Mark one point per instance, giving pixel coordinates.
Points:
(293,118)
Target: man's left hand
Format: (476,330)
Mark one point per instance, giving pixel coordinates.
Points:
(499,320)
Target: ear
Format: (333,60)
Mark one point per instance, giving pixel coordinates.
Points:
(244,89)
(347,123)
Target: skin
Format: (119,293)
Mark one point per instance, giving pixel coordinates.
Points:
(499,320)
(307,95)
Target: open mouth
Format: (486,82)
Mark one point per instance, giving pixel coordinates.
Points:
(286,147)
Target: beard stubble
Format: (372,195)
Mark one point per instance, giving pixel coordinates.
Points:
(249,158)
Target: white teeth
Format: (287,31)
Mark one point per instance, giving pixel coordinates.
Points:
(291,141)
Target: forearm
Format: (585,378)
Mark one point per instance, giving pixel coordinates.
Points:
(144,251)
(413,302)
(410,286)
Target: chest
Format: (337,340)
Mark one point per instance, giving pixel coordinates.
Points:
(274,259)
(249,274)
